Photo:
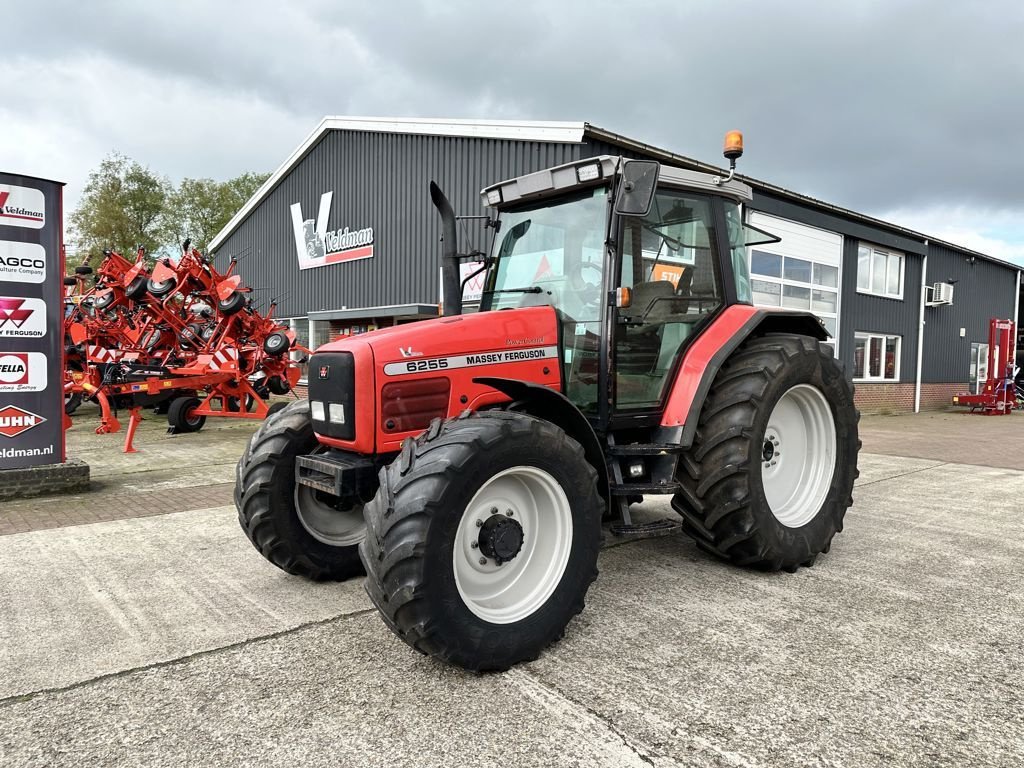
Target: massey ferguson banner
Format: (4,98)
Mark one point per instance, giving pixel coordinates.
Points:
(31,311)
(318,246)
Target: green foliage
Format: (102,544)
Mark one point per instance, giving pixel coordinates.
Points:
(121,208)
(199,208)
(125,205)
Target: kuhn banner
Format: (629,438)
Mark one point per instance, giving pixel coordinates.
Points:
(318,246)
(31,314)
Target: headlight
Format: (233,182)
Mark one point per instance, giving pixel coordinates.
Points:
(316,408)
(336,411)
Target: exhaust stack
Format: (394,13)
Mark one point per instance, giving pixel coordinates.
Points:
(451,284)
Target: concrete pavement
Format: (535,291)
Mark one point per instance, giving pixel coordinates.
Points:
(169,641)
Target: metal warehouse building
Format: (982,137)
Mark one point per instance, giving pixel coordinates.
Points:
(344,236)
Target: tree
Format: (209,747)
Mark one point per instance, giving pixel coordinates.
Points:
(199,208)
(121,208)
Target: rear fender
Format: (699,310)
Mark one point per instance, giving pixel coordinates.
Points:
(706,355)
(551,405)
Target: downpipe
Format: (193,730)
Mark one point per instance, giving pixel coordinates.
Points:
(920,329)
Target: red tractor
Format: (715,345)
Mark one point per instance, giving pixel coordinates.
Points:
(468,463)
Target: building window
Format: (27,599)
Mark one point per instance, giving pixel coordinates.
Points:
(786,281)
(879,272)
(876,357)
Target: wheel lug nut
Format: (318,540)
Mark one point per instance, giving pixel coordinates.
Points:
(473,545)
(509,512)
(494,510)
(479,523)
(483,561)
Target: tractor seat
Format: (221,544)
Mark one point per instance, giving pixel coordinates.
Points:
(649,300)
(639,347)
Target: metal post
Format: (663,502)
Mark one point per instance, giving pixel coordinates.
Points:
(920,329)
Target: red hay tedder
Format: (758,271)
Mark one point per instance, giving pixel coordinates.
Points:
(182,338)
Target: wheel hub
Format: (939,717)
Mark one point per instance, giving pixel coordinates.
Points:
(501,538)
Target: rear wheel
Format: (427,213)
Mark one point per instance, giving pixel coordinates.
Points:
(298,529)
(180,415)
(770,474)
(483,539)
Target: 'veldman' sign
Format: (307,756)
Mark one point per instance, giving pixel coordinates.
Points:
(31,303)
(318,246)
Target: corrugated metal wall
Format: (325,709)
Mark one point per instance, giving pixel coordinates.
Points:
(983,290)
(379,180)
(877,314)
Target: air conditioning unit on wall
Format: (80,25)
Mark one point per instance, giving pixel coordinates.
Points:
(942,294)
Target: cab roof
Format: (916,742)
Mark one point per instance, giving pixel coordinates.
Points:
(580,174)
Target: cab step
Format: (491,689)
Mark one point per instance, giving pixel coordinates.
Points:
(629,489)
(650,530)
(644,449)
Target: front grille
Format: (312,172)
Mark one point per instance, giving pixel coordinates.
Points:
(332,379)
(408,406)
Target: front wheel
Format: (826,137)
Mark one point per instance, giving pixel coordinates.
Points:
(770,474)
(483,539)
(300,530)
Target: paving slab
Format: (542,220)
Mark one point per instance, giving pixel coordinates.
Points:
(88,600)
(902,646)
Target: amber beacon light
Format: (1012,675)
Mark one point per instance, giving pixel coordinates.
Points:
(732,151)
(733,145)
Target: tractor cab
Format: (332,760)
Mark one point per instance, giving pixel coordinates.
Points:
(634,252)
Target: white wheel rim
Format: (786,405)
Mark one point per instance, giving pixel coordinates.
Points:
(326,524)
(798,457)
(514,590)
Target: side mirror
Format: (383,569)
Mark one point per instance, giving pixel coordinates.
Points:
(636,191)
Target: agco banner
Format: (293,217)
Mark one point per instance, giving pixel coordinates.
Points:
(31,313)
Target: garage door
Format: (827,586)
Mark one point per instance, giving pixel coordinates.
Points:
(800,272)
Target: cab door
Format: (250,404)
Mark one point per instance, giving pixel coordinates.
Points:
(669,263)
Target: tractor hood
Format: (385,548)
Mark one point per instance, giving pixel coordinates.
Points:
(396,380)
(513,331)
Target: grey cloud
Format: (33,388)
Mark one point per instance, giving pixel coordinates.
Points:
(873,105)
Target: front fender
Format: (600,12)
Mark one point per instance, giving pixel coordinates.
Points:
(551,405)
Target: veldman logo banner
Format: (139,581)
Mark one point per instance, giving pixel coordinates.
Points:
(22,318)
(22,371)
(22,207)
(22,262)
(317,246)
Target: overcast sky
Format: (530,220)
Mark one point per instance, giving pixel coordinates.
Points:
(910,111)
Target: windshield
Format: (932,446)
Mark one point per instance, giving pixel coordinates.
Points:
(551,253)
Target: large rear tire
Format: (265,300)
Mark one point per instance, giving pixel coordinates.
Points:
(770,474)
(483,539)
(293,526)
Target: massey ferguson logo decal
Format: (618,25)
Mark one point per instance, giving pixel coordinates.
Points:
(22,207)
(325,371)
(22,262)
(471,361)
(22,371)
(25,318)
(318,246)
(14,421)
